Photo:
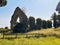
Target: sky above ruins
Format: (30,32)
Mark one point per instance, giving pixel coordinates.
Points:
(37,8)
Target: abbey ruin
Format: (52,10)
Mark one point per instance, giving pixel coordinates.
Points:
(22,18)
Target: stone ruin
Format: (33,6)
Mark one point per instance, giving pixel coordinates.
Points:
(18,13)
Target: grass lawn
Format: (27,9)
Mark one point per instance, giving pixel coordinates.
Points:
(49,40)
(31,41)
(47,31)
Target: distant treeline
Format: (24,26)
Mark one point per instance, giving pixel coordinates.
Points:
(33,24)
(36,24)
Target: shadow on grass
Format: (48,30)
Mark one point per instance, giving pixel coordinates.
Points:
(33,36)
(9,38)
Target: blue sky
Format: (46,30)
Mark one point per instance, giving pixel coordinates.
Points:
(37,8)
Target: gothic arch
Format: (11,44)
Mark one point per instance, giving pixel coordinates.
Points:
(22,16)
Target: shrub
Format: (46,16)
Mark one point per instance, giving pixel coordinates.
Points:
(38,23)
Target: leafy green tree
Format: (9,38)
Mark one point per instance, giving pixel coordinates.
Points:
(3,3)
(49,24)
(6,27)
(19,28)
(32,22)
(44,24)
(38,23)
(54,20)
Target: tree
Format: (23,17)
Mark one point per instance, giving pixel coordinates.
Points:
(54,20)
(38,23)
(6,27)
(19,28)
(3,3)
(44,24)
(49,24)
(32,22)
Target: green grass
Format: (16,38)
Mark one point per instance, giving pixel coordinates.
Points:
(47,31)
(49,40)
(31,41)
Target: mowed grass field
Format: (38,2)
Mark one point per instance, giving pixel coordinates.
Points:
(31,41)
(47,31)
(49,40)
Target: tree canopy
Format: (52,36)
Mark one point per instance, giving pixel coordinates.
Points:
(3,3)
